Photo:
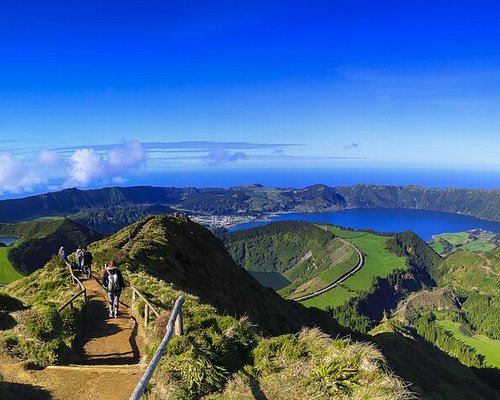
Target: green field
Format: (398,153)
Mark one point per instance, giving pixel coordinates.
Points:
(335,272)
(455,238)
(478,245)
(333,298)
(438,247)
(470,240)
(7,272)
(489,348)
(379,262)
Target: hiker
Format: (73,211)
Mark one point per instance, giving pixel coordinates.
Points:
(87,262)
(79,258)
(62,254)
(112,281)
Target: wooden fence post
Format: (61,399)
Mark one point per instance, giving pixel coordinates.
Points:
(146,315)
(178,327)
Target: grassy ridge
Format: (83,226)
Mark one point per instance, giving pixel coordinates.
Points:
(41,334)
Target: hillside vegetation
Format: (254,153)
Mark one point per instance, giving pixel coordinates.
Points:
(461,315)
(307,256)
(40,240)
(475,277)
(35,330)
(240,340)
(222,353)
(474,240)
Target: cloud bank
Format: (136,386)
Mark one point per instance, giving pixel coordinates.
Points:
(81,167)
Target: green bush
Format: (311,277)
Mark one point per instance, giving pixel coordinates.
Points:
(43,340)
(45,323)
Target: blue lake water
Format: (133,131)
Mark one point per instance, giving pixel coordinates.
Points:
(7,240)
(424,223)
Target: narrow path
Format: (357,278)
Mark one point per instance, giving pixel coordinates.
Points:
(104,340)
(347,275)
(104,365)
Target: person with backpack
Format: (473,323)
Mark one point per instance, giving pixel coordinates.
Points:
(113,282)
(79,258)
(87,262)
(62,254)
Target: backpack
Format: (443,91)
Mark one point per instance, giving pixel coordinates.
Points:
(113,284)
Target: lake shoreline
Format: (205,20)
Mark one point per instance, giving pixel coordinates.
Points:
(426,223)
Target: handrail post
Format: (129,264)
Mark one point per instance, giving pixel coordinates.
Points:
(178,326)
(146,315)
(141,386)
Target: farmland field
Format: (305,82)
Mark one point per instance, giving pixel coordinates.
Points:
(7,272)
(379,262)
(489,348)
(333,298)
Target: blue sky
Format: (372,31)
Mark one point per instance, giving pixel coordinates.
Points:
(96,93)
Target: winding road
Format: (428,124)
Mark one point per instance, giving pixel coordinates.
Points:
(347,275)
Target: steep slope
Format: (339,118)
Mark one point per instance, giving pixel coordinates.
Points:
(186,254)
(302,255)
(480,203)
(475,277)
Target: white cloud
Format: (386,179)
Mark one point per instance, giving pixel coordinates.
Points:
(130,155)
(85,166)
(16,176)
(53,170)
(49,158)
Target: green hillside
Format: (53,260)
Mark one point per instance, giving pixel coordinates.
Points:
(379,262)
(474,240)
(222,352)
(433,374)
(39,241)
(241,341)
(7,271)
(461,315)
(307,256)
(177,250)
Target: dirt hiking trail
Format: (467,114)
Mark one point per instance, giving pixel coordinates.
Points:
(104,366)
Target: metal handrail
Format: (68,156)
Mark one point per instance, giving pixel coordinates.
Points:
(174,326)
(78,282)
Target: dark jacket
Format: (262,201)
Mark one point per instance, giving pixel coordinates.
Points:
(87,257)
(105,278)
